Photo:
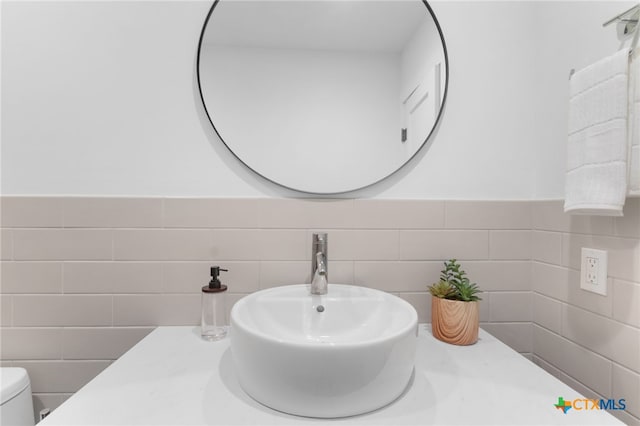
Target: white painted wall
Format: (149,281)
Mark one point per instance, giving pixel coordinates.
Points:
(99,98)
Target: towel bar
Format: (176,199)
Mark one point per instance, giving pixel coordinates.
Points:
(624,17)
(629,16)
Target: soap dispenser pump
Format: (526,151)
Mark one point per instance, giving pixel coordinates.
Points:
(214,307)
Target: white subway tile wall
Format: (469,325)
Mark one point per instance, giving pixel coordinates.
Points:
(591,342)
(83,279)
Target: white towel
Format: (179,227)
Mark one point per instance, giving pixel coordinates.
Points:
(596,178)
(634,126)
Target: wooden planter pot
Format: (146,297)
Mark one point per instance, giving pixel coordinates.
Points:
(455,322)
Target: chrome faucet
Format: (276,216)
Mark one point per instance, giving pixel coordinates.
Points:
(319,267)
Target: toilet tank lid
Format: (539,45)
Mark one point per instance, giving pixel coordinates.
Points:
(13,380)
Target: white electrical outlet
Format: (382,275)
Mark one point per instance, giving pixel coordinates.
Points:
(593,271)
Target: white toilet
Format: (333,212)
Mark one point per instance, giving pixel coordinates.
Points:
(16,408)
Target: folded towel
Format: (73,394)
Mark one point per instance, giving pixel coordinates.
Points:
(634,126)
(596,178)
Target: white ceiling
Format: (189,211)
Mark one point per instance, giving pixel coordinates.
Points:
(372,25)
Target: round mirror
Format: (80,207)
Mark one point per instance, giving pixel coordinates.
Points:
(323,96)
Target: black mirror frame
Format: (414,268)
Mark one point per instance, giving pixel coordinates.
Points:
(424,143)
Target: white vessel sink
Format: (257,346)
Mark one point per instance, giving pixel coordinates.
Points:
(352,357)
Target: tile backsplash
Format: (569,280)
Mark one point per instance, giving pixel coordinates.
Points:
(84,279)
(590,341)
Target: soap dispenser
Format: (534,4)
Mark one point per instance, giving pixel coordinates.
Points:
(214,307)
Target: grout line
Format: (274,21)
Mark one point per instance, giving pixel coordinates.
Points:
(564,373)
(590,351)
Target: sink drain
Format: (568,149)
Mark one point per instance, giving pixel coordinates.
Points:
(320,308)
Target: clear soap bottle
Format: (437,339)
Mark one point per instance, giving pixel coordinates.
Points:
(214,307)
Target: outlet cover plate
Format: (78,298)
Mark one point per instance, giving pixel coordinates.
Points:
(593,271)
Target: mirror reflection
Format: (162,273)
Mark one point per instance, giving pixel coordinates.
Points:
(322,96)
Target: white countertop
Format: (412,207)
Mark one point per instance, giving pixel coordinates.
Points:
(174,377)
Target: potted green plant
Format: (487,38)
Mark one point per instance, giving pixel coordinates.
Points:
(455,316)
